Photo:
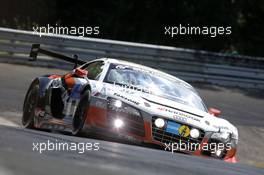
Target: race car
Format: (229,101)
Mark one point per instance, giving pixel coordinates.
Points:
(129,101)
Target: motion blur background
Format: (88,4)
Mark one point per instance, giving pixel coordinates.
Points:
(144,21)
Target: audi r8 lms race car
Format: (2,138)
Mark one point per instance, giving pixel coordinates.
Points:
(128,101)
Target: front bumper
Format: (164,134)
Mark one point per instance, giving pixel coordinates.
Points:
(142,129)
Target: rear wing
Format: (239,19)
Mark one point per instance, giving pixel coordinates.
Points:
(36,49)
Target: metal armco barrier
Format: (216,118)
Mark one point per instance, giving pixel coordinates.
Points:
(189,65)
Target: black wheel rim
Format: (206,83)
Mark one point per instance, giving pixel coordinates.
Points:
(79,117)
(30,105)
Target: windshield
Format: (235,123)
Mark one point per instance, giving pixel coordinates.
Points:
(155,83)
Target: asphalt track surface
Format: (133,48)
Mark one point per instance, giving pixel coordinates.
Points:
(243,108)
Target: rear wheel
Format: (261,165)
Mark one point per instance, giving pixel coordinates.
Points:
(30,104)
(81,113)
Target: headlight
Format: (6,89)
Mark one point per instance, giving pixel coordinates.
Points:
(131,110)
(118,123)
(118,103)
(222,136)
(195,133)
(159,122)
(119,106)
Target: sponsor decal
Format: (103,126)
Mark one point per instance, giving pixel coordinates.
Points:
(173,127)
(76,90)
(127,99)
(184,131)
(178,115)
(183,119)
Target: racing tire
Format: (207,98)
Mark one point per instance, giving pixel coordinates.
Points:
(30,104)
(81,113)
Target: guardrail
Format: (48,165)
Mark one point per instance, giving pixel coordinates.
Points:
(189,65)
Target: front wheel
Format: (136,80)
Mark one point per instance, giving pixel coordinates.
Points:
(81,113)
(30,104)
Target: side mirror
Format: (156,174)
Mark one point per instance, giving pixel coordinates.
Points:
(214,111)
(81,72)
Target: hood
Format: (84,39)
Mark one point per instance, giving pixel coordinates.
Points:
(158,106)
